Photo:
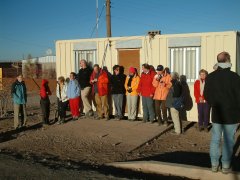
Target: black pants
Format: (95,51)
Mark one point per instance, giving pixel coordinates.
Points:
(45,106)
(161,109)
(62,108)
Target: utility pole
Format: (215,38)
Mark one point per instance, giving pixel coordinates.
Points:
(108,18)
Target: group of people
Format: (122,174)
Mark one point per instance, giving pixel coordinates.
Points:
(164,96)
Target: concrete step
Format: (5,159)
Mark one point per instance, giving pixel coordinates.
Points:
(172,169)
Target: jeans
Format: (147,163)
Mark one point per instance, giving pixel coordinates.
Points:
(118,103)
(228,132)
(203,114)
(148,109)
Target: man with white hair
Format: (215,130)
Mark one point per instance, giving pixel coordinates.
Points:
(222,92)
(84,81)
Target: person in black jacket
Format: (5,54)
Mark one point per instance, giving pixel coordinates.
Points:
(222,92)
(174,93)
(84,81)
(118,90)
(187,99)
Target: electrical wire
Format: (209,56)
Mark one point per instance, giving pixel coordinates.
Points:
(95,26)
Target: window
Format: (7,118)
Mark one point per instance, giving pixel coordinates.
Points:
(88,55)
(185,61)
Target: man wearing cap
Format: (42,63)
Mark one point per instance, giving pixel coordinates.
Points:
(162,83)
(222,92)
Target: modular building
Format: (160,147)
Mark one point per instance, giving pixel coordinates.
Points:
(183,53)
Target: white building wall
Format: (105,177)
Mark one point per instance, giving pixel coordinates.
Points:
(153,51)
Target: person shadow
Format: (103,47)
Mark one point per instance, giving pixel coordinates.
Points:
(13,134)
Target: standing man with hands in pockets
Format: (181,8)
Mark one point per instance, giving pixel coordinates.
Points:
(146,90)
(222,92)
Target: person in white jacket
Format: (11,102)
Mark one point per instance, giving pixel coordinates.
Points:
(61,92)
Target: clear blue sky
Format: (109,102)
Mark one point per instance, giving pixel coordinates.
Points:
(33,26)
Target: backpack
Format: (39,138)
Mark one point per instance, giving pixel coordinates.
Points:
(187,99)
(178,103)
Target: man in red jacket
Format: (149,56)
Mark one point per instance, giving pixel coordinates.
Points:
(44,101)
(146,90)
(99,80)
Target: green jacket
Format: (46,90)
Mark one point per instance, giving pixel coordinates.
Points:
(19,92)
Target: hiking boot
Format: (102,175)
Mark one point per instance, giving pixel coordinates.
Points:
(214,169)
(226,170)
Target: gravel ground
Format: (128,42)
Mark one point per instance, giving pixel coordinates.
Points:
(40,146)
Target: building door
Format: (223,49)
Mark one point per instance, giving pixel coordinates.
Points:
(128,58)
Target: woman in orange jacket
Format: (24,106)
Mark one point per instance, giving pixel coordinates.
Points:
(162,83)
(99,80)
(131,85)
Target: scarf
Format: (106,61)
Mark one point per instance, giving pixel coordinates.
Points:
(202,84)
(222,65)
(129,84)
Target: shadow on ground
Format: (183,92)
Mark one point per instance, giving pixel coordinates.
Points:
(13,134)
(189,158)
(55,164)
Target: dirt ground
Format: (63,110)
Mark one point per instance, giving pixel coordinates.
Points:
(64,145)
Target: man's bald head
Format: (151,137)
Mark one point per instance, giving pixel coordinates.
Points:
(223,57)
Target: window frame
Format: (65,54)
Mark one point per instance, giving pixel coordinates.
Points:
(77,58)
(198,59)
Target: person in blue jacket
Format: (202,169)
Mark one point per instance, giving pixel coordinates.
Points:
(19,96)
(73,94)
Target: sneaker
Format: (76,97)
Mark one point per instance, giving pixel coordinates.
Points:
(226,170)
(108,118)
(165,123)
(160,122)
(144,121)
(205,129)
(214,169)
(200,128)
(90,113)
(97,117)
(75,118)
